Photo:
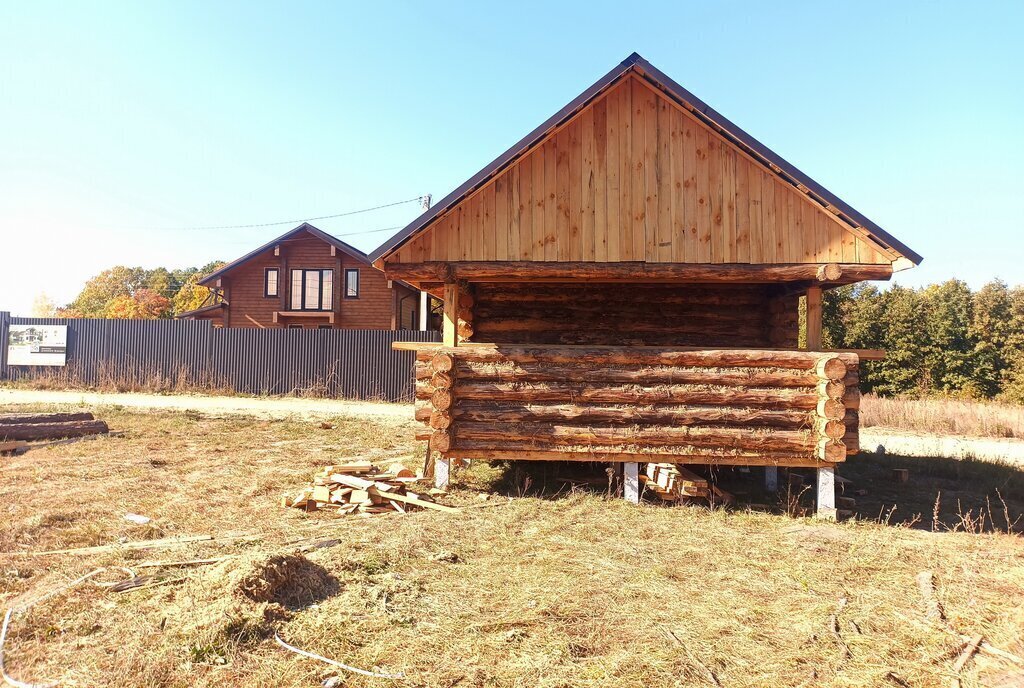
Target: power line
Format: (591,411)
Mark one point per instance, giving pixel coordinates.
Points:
(339,236)
(286,222)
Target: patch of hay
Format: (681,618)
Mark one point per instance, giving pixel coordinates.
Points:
(240,601)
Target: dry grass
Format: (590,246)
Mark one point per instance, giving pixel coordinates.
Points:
(944,416)
(552,590)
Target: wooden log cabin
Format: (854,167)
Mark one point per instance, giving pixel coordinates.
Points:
(622,285)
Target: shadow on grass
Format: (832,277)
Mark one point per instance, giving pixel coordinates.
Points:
(940,494)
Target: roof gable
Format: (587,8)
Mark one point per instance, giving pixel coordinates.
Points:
(305,227)
(636,168)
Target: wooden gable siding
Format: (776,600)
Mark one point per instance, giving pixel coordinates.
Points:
(635,177)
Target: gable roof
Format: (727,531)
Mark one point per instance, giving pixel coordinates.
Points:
(304,227)
(634,64)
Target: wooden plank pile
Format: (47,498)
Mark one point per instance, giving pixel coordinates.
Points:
(360,487)
(672,482)
(48,426)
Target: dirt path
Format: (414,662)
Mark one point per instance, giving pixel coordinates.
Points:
(276,407)
(904,443)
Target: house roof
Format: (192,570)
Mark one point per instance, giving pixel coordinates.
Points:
(199,311)
(304,227)
(642,68)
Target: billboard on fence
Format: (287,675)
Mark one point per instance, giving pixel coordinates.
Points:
(37,345)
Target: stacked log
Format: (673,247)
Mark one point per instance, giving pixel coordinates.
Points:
(729,406)
(615,314)
(49,426)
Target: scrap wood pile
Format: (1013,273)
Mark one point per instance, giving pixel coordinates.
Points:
(360,487)
(17,428)
(675,483)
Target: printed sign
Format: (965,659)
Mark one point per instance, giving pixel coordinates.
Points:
(37,345)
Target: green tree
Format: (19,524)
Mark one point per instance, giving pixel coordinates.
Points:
(100,290)
(950,352)
(902,370)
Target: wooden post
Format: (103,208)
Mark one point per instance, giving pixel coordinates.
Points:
(814,318)
(631,482)
(771,479)
(450,332)
(441,470)
(827,494)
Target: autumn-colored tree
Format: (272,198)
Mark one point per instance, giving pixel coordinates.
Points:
(43,307)
(144,304)
(192,295)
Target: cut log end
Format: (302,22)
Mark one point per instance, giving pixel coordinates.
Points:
(442,362)
(830,272)
(442,399)
(831,450)
(441,441)
(831,409)
(831,368)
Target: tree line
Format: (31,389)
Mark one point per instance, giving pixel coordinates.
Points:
(124,292)
(942,339)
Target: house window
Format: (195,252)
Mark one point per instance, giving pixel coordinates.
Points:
(270,282)
(312,290)
(351,284)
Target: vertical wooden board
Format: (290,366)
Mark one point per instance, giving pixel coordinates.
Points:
(849,244)
(563,184)
(769,220)
(663,174)
(805,235)
(787,251)
(522,204)
(703,176)
(599,180)
(639,173)
(836,235)
(742,211)
(625,228)
(715,193)
(612,192)
(502,220)
(575,206)
(676,186)
(756,241)
(651,231)
(538,201)
(866,253)
(551,210)
(729,254)
(488,204)
(474,233)
(454,232)
(691,249)
(586,186)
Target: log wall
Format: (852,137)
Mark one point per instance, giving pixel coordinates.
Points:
(634,314)
(604,403)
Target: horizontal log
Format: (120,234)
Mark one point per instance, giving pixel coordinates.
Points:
(425,350)
(593,309)
(545,435)
(516,271)
(717,357)
(633,394)
(52,431)
(557,295)
(503,412)
(541,372)
(28,418)
(830,367)
(683,455)
(610,327)
(591,337)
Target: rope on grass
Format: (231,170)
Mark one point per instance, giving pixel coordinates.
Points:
(346,667)
(22,608)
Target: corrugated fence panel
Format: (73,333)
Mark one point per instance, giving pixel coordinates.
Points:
(188,354)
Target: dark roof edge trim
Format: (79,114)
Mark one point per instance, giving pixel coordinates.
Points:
(304,227)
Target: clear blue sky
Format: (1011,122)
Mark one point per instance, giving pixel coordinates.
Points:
(120,121)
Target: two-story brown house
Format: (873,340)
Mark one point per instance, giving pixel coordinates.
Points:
(307,279)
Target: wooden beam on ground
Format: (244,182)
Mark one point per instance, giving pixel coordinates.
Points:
(519,271)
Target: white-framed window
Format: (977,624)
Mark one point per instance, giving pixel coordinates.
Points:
(352,283)
(312,290)
(270,277)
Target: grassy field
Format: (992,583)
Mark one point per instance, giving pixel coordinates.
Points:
(560,587)
(944,416)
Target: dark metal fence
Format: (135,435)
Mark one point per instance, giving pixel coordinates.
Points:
(193,355)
